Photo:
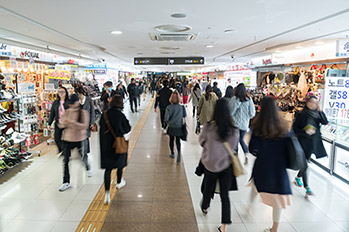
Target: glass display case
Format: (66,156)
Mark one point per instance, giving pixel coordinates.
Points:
(336,141)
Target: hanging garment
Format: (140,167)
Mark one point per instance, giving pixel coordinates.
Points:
(302,85)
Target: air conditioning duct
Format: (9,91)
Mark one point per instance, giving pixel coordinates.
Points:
(172,37)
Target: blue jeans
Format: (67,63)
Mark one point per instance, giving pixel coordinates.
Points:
(242,142)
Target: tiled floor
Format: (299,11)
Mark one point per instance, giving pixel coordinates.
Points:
(30,201)
(160,195)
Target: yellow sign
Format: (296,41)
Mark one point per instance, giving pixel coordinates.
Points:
(59,74)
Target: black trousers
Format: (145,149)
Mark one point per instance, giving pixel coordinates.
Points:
(162,117)
(67,147)
(107,177)
(194,109)
(58,138)
(178,144)
(304,174)
(225,180)
(133,101)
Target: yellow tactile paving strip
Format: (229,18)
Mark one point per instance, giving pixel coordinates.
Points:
(94,217)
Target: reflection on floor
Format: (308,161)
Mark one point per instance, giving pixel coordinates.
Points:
(159,195)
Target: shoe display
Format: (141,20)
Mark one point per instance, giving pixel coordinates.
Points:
(122,184)
(64,187)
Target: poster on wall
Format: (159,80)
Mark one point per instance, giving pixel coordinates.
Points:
(336,101)
(247,77)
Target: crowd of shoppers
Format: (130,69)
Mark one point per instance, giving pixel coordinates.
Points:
(225,121)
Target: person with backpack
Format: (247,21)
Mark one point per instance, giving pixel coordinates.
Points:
(174,116)
(195,97)
(132,93)
(75,122)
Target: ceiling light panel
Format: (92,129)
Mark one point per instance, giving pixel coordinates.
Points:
(173,28)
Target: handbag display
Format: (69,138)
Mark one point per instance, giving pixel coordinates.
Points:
(120,143)
(296,157)
(235,161)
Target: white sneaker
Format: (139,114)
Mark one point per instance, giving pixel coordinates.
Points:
(107,198)
(64,187)
(89,173)
(122,184)
(267,229)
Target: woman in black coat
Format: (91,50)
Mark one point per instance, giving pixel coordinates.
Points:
(307,129)
(58,108)
(269,175)
(109,159)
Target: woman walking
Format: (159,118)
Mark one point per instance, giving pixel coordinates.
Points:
(229,93)
(86,104)
(217,159)
(195,97)
(109,159)
(186,92)
(242,110)
(307,129)
(269,176)
(59,106)
(174,116)
(206,105)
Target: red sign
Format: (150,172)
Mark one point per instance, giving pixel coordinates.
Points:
(36,139)
(28,141)
(266,61)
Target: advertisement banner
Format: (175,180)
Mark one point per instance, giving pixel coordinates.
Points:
(342,48)
(59,74)
(336,101)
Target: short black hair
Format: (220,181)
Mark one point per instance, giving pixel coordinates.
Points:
(108,83)
(117,101)
(215,83)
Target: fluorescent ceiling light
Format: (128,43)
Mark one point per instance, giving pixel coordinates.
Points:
(229,31)
(116,32)
(209,46)
(178,15)
(278,51)
(299,47)
(319,42)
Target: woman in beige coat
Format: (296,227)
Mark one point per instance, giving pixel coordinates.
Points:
(206,106)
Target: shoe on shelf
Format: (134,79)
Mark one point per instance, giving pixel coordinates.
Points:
(298,182)
(64,187)
(89,173)
(172,156)
(107,198)
(121,184)
(309,192)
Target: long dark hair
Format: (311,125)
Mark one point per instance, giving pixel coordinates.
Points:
(240,92)
(269,124)
(222,118)
(208,91)
(229,92)
(197,86)
(80,90)
(66,94)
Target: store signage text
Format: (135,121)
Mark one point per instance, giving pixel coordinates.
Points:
(336,104)
(59,74)
(28,54)
(342,48)
(266,61)
(169,61)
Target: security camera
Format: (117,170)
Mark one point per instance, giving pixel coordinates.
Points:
(232,56)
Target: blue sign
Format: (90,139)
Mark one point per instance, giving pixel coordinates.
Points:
(96,66)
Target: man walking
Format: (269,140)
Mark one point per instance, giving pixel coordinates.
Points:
(132,93)
(163,100)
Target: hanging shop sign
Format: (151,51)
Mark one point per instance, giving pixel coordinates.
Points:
(169,61)
(59,74)
(99,69)
(342,48)
(336,101)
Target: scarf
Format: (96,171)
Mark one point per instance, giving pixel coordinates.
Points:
(61,109)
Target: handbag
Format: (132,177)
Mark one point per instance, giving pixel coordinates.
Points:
(120,143)
(94,128)
(184,128)
(197,129)
(296,157)
(235,161)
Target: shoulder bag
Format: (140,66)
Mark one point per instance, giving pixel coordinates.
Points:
(296,157)
(184,128)
(120,143)
(235,161)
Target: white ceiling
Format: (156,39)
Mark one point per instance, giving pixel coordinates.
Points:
(84,26)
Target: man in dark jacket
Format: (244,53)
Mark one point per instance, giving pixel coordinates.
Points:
(132,93)
(163,100)
(216,90)
(107,94)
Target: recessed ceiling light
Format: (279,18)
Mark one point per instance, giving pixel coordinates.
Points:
(170,48)
(116,32)
(172,28)
(319,42)
(299,47)
(209,46)
(229,31)
(178,15)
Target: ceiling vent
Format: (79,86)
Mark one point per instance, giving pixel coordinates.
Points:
(172,37)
